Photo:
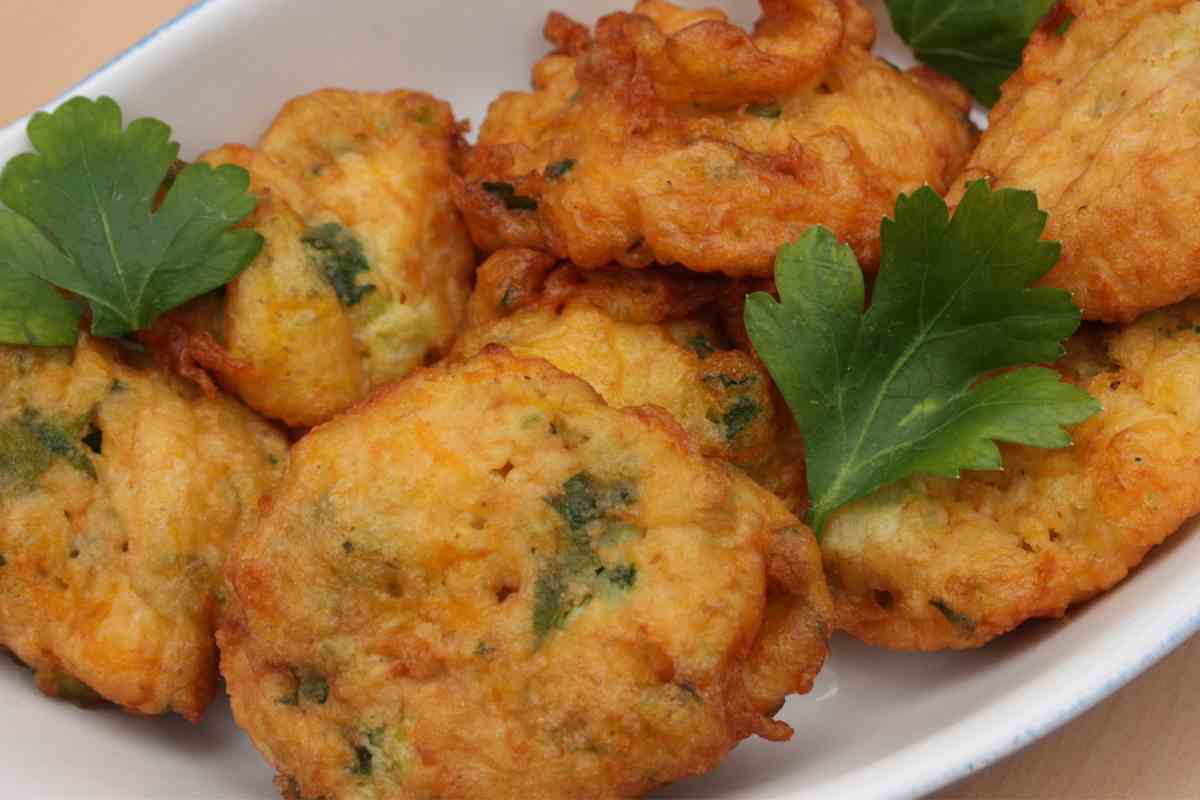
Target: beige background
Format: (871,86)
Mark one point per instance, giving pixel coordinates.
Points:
(1143,743)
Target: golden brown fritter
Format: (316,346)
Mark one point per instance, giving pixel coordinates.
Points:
(487,583)
(1103,122)
(120,489)
(637,337)
(780,468)
(672,136)
(935,563)
(366,266)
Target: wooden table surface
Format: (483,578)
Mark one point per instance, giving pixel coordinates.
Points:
(1143,743)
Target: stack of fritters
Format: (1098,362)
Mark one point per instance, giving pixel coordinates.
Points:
(1100,121)
(489,529)
(671,136)
(567,561)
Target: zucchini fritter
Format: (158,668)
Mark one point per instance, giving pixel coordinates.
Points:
(672,136)
(934,563)
(487,583)
(366,268)
(1103,122)
(120,488)
(637,337)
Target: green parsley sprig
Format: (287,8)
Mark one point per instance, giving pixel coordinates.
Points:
(909,386)
(82,217)
(977,42)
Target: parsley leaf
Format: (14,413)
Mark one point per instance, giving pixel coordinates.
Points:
(897,391)
(85,221)
(976,42)
(31,310)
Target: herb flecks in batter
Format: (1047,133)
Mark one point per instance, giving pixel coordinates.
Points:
(309,687)
(584,500)
(728,382)
(508,195)
(548,601)
(560,168)
(739,417)
(578,504)
(955,617)
(314,689)
(382,751)
(623,576)
(701,346)
(361,765)
(340,256)
(29,444)
(766,111)
(573,576)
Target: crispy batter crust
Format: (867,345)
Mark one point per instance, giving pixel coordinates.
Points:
(935,563)
(637,337)
(486,583)
(514,279)
(110,561)
(1101,122)
(672,136)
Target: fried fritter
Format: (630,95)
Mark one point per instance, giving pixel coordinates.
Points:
(637,337)
(1102,121)
(487,583)
(781,468)
(935,563)
(120,488)
(672,136)
(366,268)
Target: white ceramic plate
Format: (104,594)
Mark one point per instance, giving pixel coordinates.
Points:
(878,724)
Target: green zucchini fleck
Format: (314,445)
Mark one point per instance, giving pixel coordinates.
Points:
(576,572)
(548,602)
(765,110)
(314,689)
(29,444)
(623,576)
(340,257)
(728,382)
(739,417)
(510,294)
(508,194)
(956,618)
(701,346)
(560,168)
(362,761)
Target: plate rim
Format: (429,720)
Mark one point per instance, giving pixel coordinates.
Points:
(918,769)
